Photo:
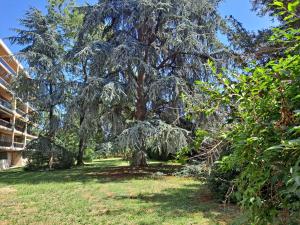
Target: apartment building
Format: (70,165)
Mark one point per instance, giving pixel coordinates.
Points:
(16,116)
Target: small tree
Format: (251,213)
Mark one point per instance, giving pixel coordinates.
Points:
(44,54)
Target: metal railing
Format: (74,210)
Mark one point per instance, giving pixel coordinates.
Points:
(4,82)
(21,112)
(5,103)
(20,127)
(5,142)
(5,123)
(18,145)
(7,66)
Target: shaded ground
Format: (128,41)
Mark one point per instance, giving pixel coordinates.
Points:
(107,192)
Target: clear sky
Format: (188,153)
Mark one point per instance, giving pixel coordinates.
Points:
(12,10)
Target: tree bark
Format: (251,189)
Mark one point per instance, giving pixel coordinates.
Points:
(81,119)
(140,113)
(81,146)
(139,159)
(51,131)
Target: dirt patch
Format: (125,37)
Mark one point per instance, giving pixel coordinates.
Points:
(7,190)
(6,196)
(88,196)
(110,194)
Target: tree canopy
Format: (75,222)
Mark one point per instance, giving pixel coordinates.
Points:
(148,54)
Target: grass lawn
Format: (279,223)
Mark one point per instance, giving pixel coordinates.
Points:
(107,192)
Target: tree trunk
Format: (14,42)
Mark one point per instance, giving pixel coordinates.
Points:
(140,112)
(82,115)
(81,146)
(139,159)
(51,131)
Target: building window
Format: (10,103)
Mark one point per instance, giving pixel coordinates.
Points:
(3,155)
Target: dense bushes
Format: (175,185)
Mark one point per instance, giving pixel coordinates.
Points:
(89,155)
(264,132)
(42,153)
(221,183)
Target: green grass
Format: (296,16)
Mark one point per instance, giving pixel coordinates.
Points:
(107,192)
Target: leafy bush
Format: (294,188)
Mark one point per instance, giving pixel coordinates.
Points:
(89,155)
(264,131)
(105,150)
(42,153)
(221,183)
(184,154)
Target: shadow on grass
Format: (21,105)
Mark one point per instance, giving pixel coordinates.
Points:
(185,201)
(190,199)
(102,171)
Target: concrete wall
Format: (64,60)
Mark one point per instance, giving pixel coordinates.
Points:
(17,159)
(13,159)
(4,164)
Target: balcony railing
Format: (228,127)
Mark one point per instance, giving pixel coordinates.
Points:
(5,142)
(5,123)
(4,82)
(20,128)
(31,132)
(5,103)
(7,66)
(21,112)
(18,145)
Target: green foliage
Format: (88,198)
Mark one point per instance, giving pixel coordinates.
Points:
(199,137)
(184,154)
(263,130)
(141,56)
(196,171)
(89,155)
(221,183)
(42,153)
(68,137)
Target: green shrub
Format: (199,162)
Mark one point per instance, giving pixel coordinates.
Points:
(42,153)
(89,155)
(264,132)
(220,183)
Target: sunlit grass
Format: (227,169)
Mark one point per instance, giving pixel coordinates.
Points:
(107,192)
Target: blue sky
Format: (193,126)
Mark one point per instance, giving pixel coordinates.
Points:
(12,10)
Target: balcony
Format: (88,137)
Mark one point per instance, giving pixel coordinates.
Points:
(4,82)
(5,142)
(18,145)
(5,123)
(21,112)
(5,103)
(20,127)
(32,131)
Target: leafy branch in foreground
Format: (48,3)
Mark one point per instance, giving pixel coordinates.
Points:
(263,130)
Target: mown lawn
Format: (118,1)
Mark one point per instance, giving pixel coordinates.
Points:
(107,192)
